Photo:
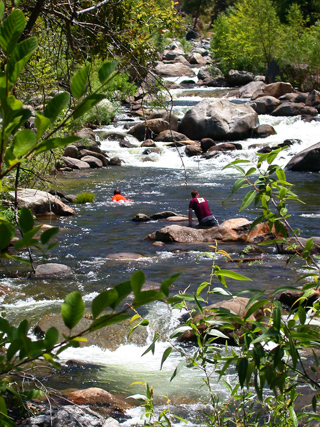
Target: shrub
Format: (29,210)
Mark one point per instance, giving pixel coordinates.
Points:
(85,197)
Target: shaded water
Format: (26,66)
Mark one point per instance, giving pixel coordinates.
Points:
(103,228)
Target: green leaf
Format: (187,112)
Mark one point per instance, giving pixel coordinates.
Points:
(146,297)
(72,310)
(178,369)
(179,331)
(2,9)
(281,175)
(7,232)
(165,284)
(137,280)
(52,337)
(79,82)
(26,221)
(256,307)
(165,356)
(50,144)
(23,142)
(248,199)
(242,370)
(106,69)
(232,275)
(103,321)
(216,333)
(302,315)
(48,234)
(11,30)
(123,289)
(103,300)
(293,416)
(42,123)
(89,102)
(20,56)
(3,406)
(56,105)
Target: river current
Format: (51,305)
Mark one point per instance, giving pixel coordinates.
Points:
(102,228)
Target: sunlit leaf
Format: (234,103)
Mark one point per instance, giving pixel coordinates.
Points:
(79,82)
(106,69)
(72,310)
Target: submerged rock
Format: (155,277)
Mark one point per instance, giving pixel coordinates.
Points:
(53,271)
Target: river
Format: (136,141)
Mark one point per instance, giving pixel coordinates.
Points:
(99,229)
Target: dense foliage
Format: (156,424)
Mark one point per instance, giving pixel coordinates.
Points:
(249,35)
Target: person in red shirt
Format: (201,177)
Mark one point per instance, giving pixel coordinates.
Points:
(201,208)
(117,197)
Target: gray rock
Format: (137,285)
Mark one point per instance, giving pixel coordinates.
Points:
(193,150)
(115,161)
(75,163)
(170,136)
(87,134)
(307,160)
(239,78)
(165,214)
(102,157)
(170,55)
(53,271)
(265,104)
(252,89)
(219,119)
(166,115)
(263,131)
(41,202)
(149,128)
(206,144)
(293,109)
(197,58)
(148,143)
(94,162)
(313,98)
(141,217)
(71,151)
(278,89)
(234,230)
(176,69)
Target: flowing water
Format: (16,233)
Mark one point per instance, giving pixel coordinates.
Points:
(156,182)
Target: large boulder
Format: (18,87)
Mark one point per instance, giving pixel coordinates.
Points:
(234,230)
(75,163)
(168,116)
(176,69)
(170,136)
(307,160)
(239,78)
(93,161)
(219,119)
(278,89)
(293,109)
(102,157)
(149,128)
(252,89)
(41,202)
(265,104)
(263,131)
